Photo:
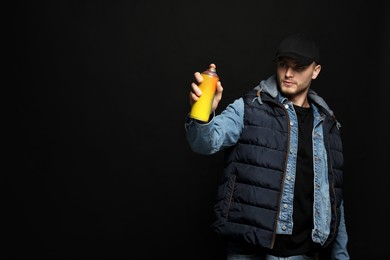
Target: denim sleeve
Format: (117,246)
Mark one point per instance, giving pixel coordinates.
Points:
(339,249)
(221,131)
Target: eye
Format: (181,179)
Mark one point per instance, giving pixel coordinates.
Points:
(300,68)
(281,64)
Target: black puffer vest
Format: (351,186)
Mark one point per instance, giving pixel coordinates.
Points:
(248,198)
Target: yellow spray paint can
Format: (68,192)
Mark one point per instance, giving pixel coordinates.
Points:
(201,109)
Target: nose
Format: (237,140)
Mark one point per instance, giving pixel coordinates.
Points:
(289,72)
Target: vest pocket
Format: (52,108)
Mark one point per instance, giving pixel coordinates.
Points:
(229,191)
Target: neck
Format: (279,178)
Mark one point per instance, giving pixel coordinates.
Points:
(303,102)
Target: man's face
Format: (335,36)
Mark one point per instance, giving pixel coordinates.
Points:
(294,80)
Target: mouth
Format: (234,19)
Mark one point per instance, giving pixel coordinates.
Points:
(288,83)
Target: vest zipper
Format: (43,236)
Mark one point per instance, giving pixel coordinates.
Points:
(284,173)
(332,187)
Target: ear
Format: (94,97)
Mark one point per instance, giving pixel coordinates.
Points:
(316,71)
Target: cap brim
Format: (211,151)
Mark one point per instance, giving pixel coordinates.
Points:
(303,61)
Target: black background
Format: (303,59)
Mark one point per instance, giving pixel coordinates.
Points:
(104,170)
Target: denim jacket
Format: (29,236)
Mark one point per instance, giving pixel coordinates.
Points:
(224,130)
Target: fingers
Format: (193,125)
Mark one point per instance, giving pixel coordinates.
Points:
(194,94)
(218,92)
(195,89)
(217,96)
(219,87)
(198,77)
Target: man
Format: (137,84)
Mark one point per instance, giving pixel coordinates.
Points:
(281,191)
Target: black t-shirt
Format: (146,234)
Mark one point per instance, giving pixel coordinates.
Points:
(300,241)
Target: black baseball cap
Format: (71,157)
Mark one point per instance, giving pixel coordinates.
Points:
(300,48)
